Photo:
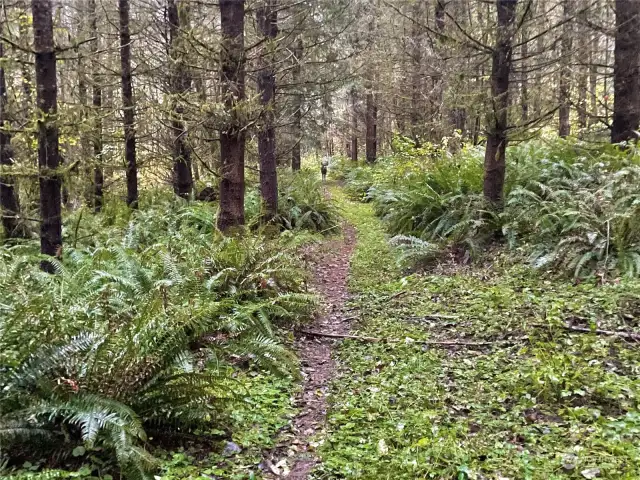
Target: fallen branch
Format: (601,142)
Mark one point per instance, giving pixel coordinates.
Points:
(396,295)
(632,336)
(445,343)
(433,316)
(337,335)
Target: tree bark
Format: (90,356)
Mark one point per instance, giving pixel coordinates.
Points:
(416,116)
(438,115)
(48,156)
(583,87)
(564,112)
(371,126)
(593,83)
(524,77)
(626,72)
(232,135)
(8,197)
(297,105)
(354,124)
(267,19)
(179,85)
(494,160)
(128,105)
(27,80)
(96,101)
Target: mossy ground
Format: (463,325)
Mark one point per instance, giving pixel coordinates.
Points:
(535,403)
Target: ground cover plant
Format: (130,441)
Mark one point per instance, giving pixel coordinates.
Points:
(521,394)
(570,206)
(139,336)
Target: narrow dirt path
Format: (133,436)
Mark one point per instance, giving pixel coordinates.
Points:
(330,264)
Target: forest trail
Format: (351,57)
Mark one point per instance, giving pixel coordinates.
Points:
(329,263)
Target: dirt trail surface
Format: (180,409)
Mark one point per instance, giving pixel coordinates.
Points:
(330,264)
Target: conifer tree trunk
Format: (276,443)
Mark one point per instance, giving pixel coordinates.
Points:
(494,160)
(416,116)
(96,100)
(232,135)
(179,84)
(564,112)
(626,72)
(128,105)
(8,197)
(267,19)
(437,130)
(524,77)
(371,120)
(354,124)
(27,79)
(297,105)
(48,156)
(593,85)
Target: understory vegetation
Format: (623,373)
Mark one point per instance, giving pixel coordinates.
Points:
(487,370)
(571,207)
(154,332)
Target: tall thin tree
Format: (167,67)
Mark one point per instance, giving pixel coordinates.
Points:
(494,159)
(564,112)
(267,19)
(298,101)
(8,196)
(179,85)
(626,72)
(354,123)
(371,107)
(96,100)
(128,105)
(232,134)
(48,155)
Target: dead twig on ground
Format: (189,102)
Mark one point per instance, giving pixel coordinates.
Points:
(446,343)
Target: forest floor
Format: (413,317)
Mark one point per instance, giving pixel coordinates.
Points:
(329,262)
(475,371)
(458,372)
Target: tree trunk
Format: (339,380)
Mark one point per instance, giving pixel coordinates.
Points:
(48,157)
(267,19)
(232,136)
(98,175)
(494,160)
(524,77)
(27,80)
(298,100)
(626,72)
(179,84)
(8,196)
(354,125)
(593,83)
(416,112)
(564,112)
(438,111)
(128,105)
(371,125)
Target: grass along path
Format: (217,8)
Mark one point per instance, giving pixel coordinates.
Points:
(547,404)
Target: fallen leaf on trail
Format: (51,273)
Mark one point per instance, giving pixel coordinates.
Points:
(590,473)
(382,447)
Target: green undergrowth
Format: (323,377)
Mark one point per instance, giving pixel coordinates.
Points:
(251,426)
(571,207)
(531,401)
(255,423)
(155,332)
